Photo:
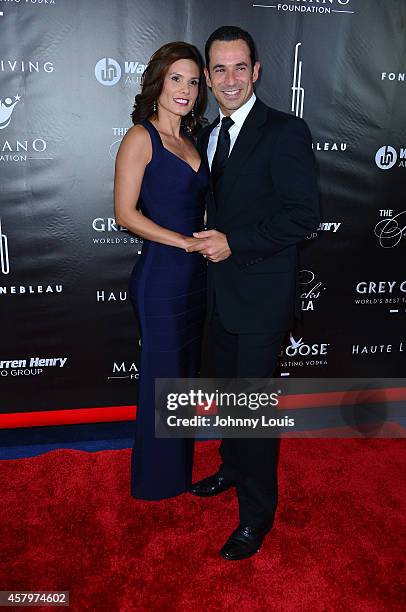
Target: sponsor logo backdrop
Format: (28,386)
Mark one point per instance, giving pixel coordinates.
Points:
(68,75)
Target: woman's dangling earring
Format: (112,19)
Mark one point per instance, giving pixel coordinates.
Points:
(193,112)
(154,106)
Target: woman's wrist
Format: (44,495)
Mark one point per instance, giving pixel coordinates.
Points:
(182,241)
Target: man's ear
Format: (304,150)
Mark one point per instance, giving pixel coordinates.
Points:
(255,71)
(206,74)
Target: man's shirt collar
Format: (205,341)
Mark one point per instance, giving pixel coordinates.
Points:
(240,115)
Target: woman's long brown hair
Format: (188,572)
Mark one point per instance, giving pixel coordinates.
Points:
(153,80)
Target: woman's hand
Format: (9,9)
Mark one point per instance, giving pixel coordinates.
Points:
(190,243)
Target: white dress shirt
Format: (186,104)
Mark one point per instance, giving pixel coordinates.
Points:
(238,116)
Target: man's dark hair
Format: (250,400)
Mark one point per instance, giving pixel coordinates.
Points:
(228,33)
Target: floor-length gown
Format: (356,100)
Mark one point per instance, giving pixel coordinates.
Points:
(167,288)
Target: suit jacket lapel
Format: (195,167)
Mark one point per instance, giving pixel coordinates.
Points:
(204,141)
(246,142)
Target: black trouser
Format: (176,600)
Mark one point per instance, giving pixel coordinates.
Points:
(250,462)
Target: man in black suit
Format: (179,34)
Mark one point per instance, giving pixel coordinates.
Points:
(263,201)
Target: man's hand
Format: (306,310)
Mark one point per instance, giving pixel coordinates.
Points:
(211,244)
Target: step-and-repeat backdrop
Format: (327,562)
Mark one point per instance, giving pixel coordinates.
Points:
(69,70)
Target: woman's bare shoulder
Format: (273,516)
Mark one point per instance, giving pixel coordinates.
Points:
(137,142)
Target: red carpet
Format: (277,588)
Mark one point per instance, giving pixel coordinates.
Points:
(69,523)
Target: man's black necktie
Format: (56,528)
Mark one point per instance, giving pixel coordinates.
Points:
(222,151)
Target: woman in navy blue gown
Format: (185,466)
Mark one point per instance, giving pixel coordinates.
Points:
(160,187)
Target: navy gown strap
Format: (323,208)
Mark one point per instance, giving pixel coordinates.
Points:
(156,140)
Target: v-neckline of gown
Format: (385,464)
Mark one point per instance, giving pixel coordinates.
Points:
(174,154)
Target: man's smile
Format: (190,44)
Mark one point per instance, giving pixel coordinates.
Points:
(231,93)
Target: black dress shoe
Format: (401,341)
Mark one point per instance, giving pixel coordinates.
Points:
(213,485)
(243,543)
